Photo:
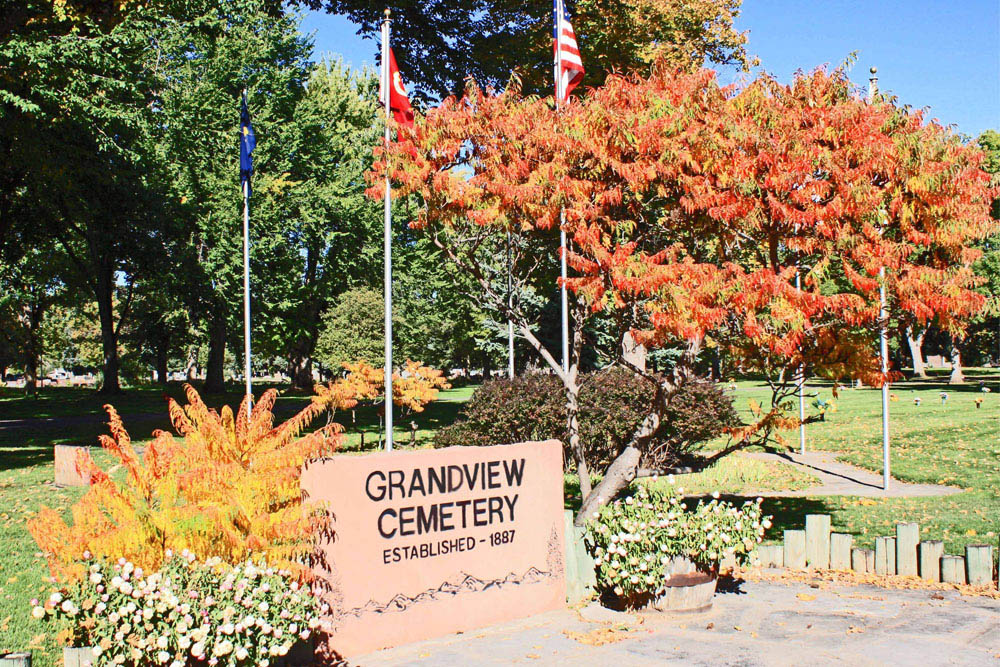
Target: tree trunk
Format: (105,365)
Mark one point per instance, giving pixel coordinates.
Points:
(573,433)
(618,475)
(161,362)
(624,468)
(191,368)
(957,377)
(214,380)
(300,370)
(916,344)
(109,335)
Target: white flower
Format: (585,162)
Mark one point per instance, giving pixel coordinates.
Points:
(162,657)
(95,578)
(161,642)
(263,606)
(97,651)
(55,598)
(184,642)
(715,494)
(618,590)
(198,649)
(222,648)
(38,612)
(241,653)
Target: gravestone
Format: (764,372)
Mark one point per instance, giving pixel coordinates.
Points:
(65,463)
(431,542)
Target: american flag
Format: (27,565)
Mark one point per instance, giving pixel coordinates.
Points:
(569,67)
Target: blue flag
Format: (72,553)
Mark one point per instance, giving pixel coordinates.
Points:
(248,141)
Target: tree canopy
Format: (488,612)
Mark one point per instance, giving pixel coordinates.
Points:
(444,41)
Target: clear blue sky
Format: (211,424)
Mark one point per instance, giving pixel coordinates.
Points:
(940,54)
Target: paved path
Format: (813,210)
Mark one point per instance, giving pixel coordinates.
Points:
(842,479)
(761,624)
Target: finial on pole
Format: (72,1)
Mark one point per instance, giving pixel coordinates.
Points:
(387,13)
(872,83)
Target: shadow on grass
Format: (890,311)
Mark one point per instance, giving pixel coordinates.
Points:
(26,457)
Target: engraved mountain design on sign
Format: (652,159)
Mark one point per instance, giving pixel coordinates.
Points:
(466,584)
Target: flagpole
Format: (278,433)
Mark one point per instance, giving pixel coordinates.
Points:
(564,303)
(883,335)
(246,293)
(802,385)
(510,322)
(387,242)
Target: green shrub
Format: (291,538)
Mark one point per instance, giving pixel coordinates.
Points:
(613,402)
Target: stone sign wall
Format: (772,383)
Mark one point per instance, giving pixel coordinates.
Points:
(431,542)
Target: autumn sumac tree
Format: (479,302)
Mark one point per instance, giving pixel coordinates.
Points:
(692,207)
(227,487)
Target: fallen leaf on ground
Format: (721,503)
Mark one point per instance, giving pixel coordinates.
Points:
(806,597)
(598,637)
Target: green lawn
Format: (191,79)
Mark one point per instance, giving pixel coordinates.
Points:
(954,443)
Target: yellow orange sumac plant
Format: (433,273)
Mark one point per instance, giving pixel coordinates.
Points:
(412,389)
(223,486)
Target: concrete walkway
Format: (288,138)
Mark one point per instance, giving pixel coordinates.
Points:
(842,479)
(760,624)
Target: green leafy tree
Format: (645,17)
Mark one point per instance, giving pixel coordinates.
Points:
(327,234)
(234,45)
(444,41)
(352,330)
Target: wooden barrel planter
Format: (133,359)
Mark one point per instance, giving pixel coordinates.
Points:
(686,588)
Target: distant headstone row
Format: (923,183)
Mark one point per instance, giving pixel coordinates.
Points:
(905,554)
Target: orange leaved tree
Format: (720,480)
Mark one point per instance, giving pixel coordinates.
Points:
(223,486)
(691,208)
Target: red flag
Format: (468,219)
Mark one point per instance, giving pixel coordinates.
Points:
(399,103)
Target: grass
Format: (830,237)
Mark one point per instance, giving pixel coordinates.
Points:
(952,442)
(736,474)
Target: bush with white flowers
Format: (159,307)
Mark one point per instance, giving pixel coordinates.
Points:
(188,612)
(633,539)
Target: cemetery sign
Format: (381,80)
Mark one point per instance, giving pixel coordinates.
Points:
(430,542)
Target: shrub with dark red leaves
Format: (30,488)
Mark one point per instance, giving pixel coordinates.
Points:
(613,402)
